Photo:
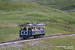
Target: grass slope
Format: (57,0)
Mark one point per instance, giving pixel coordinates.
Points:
(57,22)
(72,13)
(57,4)
(7,6)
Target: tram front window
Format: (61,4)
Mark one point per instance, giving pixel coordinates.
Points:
(24,28)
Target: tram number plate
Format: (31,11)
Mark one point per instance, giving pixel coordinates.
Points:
(37,32)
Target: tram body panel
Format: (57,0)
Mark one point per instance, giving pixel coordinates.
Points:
(38,32)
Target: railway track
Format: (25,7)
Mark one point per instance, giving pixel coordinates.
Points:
(23,40)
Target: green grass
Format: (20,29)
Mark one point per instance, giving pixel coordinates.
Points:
(56,43)
(72,13)
(5,0)
(57,22)
(7,6)
(57,4)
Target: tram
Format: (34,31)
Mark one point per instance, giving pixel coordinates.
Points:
(32,30)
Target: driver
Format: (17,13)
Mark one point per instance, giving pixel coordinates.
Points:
(24,28)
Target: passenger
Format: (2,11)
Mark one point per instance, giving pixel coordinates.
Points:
(24,28)
(29,28)
(21,29)
(33,28)
(40,28)
(36,28)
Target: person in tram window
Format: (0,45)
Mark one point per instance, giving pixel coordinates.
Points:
(40,28)
(33,28)
(24,28)
(29,28)
(21,29)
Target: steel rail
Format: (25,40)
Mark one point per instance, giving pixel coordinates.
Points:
(19,40)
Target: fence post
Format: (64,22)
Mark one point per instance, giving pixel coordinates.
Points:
(48,34)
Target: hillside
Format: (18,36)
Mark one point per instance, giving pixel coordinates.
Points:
(57,4)
(16,13)
(7,6)
(57,43)
(72,13)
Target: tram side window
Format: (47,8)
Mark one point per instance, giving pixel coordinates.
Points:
(32,28)
(42,28)
(37,28)
(29,28)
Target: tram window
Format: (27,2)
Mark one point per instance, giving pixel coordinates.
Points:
(24,28)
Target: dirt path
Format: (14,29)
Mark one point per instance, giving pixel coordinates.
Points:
(70,11)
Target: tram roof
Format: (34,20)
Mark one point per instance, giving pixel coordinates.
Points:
(32,25)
